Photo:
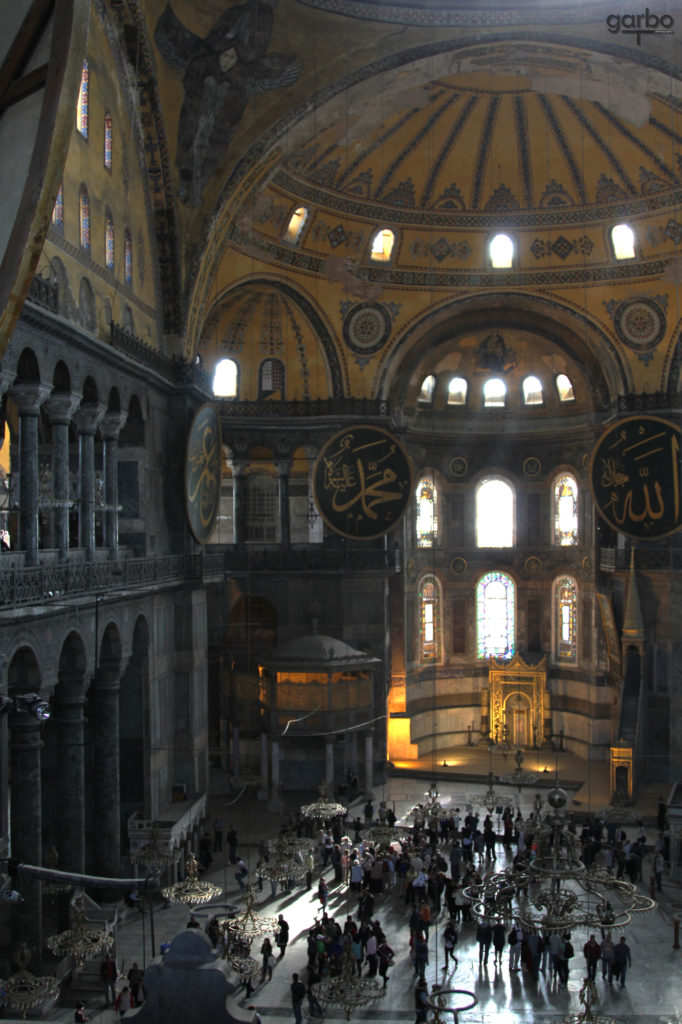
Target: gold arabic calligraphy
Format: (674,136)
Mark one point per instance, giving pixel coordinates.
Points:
(203,470)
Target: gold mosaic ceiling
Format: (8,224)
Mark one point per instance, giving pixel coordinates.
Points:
(539,136)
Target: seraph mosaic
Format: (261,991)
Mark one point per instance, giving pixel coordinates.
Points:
(221,72)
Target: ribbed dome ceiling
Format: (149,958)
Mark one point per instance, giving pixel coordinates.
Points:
(493,142)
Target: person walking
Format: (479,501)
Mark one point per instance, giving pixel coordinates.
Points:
(135,975)
(515,936)
(79,1015)
(450,937)
(232,840)
(268,959)
(659,864)
(297,989)
(282,936)
(592,954)
(621,960)
(218,827)
(484,936)
(124,1001)
(608,952)
(421,995)
(385,955)
(108,972)
(241,873)
(499,940)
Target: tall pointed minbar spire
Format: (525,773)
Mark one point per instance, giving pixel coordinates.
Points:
(633,625)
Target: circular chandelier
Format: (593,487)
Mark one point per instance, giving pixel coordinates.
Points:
(249,925)
(490,799)
(554,891)
(382,835)
(154,852)
(432,811)
(323,809)
(23,989)
(191,890)
(284,863)
(518,777)
(346,990)
(82,941)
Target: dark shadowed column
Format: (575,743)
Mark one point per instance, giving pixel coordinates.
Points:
(26,824)
(105,731)
(68,732)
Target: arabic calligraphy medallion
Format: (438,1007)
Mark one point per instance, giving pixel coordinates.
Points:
(635,477)
(362,482)
(203,465)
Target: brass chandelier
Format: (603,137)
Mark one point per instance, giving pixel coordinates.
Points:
(348,991)
(23,989)
(82,941)
(192,889)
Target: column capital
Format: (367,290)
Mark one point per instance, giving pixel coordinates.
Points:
(239,466)
(87,417)
(60,408)
(111,424)
(29,395)
(283,466)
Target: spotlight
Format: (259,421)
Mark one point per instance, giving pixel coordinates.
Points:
(40,709)
(30,703)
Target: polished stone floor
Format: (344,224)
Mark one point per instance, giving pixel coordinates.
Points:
(653,992)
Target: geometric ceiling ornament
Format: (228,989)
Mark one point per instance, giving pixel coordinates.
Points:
(366,328)
(640,324)
(203,466)
(635,477)
(362,482)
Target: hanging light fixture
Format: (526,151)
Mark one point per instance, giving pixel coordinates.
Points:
(82,941)
(588,997)
(346,990)
(156,852)
(518,777)
(555,891)
(191,890)
(249,925)
(24,990)
(323,809)
(284,863)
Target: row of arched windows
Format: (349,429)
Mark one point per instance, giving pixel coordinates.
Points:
(495,391)
(83,116)
(271,379)
(502,250)
(495,618)
(495,513)
(85,232)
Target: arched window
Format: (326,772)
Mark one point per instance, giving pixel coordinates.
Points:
(429,619)
(495,393)
(566,618)
(457,391)
(58,210)
(427,389)
(86,305)
(565,510)
(494,514)
(495,616)
(107,140)
(82,108)
(271,378)
(128,257)
(128,320)
(623,242)
(109,241)
(225,379)
(532,391)
(382,245)
(84,212)
(427,513)
(564,388)
(501,251)
(297,222)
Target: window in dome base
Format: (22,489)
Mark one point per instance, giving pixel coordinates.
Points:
(495,616)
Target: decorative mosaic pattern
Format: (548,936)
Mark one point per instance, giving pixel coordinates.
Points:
(562,247)
(673,231)
(602,144)
(452,192)
(270,341)
(483,150)
(140,257)
(337,236)
(366,328)
(555,195)
(439,16)
(640,324)
(440,250)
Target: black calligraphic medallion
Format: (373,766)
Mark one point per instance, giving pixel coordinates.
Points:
(203,466)
(635,477)
(362,482)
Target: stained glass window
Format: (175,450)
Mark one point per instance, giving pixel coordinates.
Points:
(457,391)
(225,379)
(128,257)
(84,209)
(566,608)
(532,391)
(109,241)
(427,389)
(566,511)
(296,224)
(494,514)
(429,607)
(107,141)
(427,513)
(382,245)
(495,616)
(82,109)
(58,210)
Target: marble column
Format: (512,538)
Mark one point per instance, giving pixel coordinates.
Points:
(235,750)
(29,396)
(110,428)
(60,409)
(329,764)
(26,825)
(283,470)
(107,784)
(67,725)
(275,803)
(369,763)
(87,419)
(239,500)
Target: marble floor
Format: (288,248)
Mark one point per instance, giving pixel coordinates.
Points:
(653,992)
